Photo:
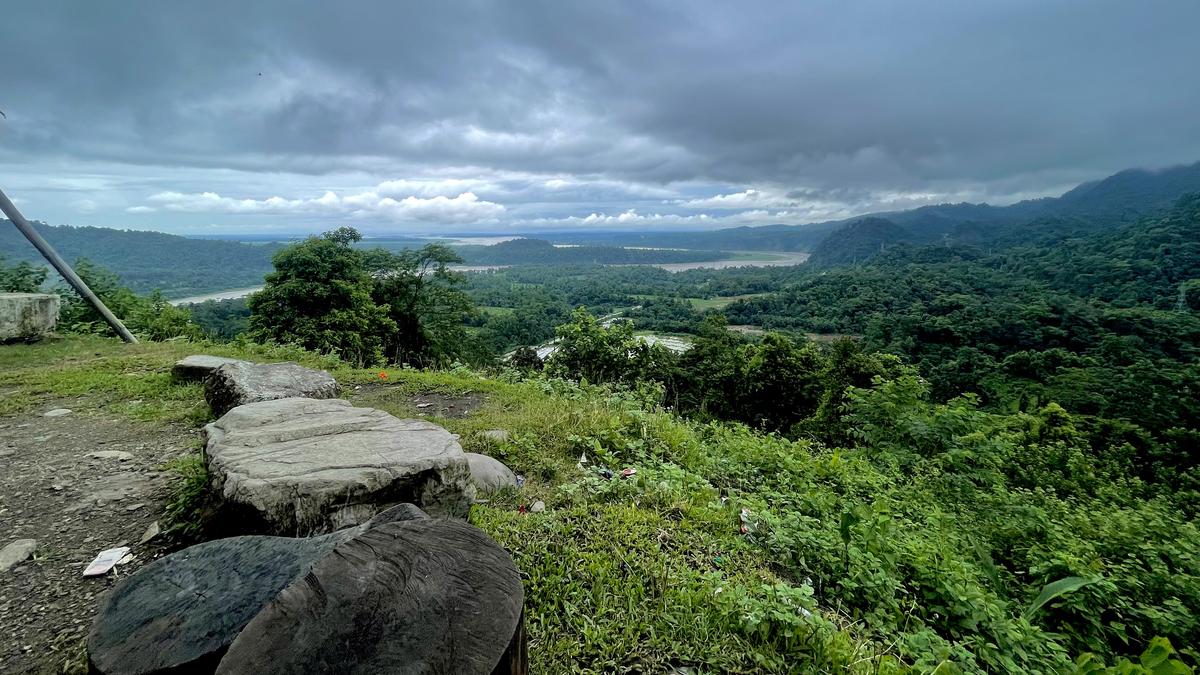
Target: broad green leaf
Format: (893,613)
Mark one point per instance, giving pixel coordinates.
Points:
(1056,589)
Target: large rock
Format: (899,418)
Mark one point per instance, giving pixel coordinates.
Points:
(490,474)
(241,382)
(27,316)
(297,466)
(199,366)
(180,613)
(408,598)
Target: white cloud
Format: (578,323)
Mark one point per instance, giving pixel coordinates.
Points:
(463,208)
(141,209)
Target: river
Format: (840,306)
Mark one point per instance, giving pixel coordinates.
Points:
(777,259)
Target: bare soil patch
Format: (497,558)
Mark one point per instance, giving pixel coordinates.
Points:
(424,404)
(74,505)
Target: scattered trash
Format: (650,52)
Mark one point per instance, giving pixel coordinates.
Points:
(626,473)
(105,561)
(422,406)
(126,560)
(746,526)
(521,509)
(383,375)
(538,507)
(606,474)
(583,460)
(150,533)
(520,480)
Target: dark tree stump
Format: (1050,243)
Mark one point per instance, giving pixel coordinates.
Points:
(419,597)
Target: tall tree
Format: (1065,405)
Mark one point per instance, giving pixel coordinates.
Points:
(425,300)
(320,297)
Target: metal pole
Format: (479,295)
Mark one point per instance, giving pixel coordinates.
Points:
(63,268)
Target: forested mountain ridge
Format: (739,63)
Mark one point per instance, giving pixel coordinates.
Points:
(1120,198)
(146,261)
(1104,324)
(858,241)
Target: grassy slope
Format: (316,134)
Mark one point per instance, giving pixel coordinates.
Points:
(625,574)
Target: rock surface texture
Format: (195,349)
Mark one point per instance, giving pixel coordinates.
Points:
(299,466)
(490,474)
(241,382)
(199,366)
(422,596)
(27,316)
(401,594)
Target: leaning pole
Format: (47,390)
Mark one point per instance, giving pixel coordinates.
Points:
(63,268)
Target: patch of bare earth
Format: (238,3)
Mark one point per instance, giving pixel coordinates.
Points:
(78,484)
(425,404)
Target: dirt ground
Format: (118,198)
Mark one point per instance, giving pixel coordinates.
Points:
(74,505)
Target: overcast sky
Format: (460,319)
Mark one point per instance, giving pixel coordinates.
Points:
(438,117)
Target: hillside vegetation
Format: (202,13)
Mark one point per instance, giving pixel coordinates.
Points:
(943,538)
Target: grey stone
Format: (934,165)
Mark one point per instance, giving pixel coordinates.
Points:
(16,552)
(199,366)
(119,455)
(57,412)
(422,596)
(239,383)
(496,435)
(151,532)
(27,316)
(298,466)
(538,507)
(490,474)
(433,596)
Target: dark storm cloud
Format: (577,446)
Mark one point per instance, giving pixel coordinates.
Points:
(789,111)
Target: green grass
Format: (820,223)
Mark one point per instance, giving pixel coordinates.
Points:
(721,301)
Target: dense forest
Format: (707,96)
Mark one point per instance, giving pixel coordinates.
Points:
(148,261)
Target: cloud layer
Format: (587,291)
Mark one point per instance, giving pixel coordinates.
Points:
(496,116)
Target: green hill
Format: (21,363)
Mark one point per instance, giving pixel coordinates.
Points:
(145,261)
(857,242)
(945,537)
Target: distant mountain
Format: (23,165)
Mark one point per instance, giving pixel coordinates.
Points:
(1098,205)
(858,241)
(758,238)
(541,252)
(146,261)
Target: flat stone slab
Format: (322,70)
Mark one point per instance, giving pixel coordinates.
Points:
(199,366)
(489,473)
(240,382)
(298,466)
(27,316)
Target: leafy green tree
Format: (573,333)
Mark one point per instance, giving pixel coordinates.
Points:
(599,354)
(20,278)
(424,300)
(320,297)
(149,317)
